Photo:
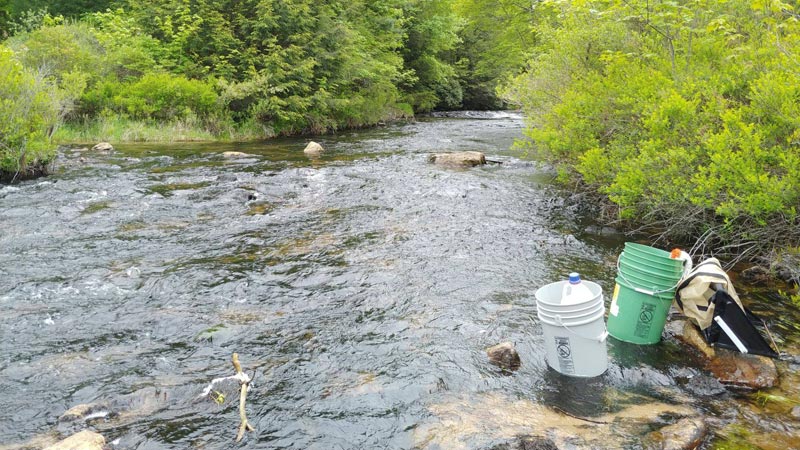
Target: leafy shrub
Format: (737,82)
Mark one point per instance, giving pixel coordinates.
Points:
(29,111)
(677,112)
(159,96)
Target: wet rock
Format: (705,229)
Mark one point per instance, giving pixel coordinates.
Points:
(458,159)
(103,147)
(84,412)
(234,155)
(494,419)
(795,412)
(504,355)
(755,274)
(527,443)
(85,440)
(705,386)
(685,434)
(730,368)
(227,177)
(313,149)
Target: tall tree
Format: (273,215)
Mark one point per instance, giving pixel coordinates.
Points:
(5,17)
(68,8)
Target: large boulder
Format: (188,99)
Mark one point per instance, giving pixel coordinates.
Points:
(729,367)
(458,159)
(85,440)
(313,149)
(103,147)
(234,155)
(504,355)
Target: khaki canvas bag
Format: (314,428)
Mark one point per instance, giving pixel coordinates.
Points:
(694,293)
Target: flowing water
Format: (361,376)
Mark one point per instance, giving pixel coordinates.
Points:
(360,290)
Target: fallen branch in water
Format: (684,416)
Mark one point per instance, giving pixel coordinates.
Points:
(244,380)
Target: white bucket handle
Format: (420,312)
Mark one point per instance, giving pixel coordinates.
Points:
(645,291)
(601,338)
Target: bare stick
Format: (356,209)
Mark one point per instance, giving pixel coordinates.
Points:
(245,380)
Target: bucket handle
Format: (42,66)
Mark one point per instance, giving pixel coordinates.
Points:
(601,338)
(645,291)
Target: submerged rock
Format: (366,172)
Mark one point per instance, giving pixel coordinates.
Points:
(85,440)
(705,386)
(103,147)
(458,159)
(756,274)
(527,443)
(729,367)
(685,434)
(313,149)
(504,355)
(85,412)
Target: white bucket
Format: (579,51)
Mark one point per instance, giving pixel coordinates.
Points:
(574,335)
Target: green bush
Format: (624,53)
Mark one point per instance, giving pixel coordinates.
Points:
(679,113)
(159,96)
(29,112)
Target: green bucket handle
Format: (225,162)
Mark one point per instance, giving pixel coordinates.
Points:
(645,291)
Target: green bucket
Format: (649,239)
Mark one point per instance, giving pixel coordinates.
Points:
(655,267)
(649,274)
(652,257)
(646,281)
(637,316)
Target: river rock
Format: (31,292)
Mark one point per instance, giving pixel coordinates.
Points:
(729,367)
(313,149)
(527,443)
(458,159)
(685,434)
(705,386)
(84,412)
(234,155)
(795,412)
(85,440)
(755,274)
(104,147)
(504,355)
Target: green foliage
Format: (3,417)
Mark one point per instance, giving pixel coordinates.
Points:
(495,39)
(679,112)
(29,110)
(5,18)
(68,8)
(60,48)
(159,96)
(280,66)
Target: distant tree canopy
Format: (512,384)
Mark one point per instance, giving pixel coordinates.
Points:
(67,8)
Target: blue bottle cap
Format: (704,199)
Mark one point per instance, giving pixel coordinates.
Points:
(574,278)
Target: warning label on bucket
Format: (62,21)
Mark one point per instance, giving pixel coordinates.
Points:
(645,321)
(564,352)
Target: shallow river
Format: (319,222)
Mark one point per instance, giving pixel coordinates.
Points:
(360,290)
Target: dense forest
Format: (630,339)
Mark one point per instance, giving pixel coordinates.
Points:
(682,116)
(240,69)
